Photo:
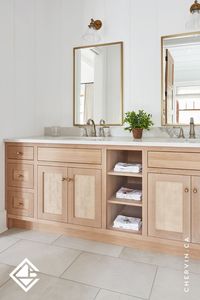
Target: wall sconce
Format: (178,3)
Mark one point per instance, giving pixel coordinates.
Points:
(95,24)
(195,8)
(91,34)
(194,21)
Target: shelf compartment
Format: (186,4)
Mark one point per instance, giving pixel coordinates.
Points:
(126,174)
(125,230)
(115,209)
(128,202)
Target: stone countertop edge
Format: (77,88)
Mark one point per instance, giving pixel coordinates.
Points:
(111,141)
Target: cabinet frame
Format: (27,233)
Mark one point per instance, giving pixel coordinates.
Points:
(50,216)
(169,234)
(93,222)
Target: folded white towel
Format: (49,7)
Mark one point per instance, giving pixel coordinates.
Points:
(130,223)
(124,167)
(131,194)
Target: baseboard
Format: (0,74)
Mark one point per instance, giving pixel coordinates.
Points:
(3,226)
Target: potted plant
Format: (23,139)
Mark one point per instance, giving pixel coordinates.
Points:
(137,122)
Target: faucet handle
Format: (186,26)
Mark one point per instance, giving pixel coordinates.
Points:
(181,133)
(102,122)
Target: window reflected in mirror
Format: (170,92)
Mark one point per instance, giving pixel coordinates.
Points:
(181,79)
(98,84)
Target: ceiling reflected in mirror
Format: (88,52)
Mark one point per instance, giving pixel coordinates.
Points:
(180,79)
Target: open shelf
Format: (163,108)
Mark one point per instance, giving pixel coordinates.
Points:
(129,174)
(119,201)
(116,180)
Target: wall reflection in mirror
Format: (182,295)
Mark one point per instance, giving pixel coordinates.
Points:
(98,84)
(181,79)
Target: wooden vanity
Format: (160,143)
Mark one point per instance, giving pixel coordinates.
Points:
(70,188)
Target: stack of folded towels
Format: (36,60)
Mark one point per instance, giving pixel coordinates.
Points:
(130,223)
(124,167)
(131,194)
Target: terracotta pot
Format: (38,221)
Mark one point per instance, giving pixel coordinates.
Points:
(137,133)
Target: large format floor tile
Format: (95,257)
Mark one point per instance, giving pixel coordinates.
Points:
(32,235)
(169,285)
(6,242)
(48,259)
(4,273)
(159,259)
(107,295)
(134,279)
(90,246)
(48,288)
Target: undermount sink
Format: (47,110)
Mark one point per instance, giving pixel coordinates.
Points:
(85,138)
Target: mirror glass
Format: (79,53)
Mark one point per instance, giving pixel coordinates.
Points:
(98,84)
(181,79)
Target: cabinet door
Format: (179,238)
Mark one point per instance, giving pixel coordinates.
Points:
(169,206)
(84,197)
(196,209)
(52,193)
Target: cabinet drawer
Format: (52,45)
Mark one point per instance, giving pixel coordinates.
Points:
(85,156)
(20,203)
(174,160)
(20,152)
(20,175)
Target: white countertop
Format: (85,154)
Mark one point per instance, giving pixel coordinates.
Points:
(116,141)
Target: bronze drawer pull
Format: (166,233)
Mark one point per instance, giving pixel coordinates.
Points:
(20,176)
(195,191)
(19,153)
(186,190)
(21,204)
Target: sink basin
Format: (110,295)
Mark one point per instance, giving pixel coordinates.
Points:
(84,138)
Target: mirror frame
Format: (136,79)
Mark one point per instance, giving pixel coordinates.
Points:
(122,81)
(163,102)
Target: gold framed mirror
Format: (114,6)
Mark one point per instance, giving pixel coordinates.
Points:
(98,84)
(180,79)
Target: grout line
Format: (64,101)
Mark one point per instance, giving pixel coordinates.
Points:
(153,283)
(10,246)
(70,264)
(97,294)
(138,262)
(139,298)
(5,283)
(52,243)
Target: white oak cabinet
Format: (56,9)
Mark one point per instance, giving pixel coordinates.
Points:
(52,193)
(68,192)
(169,206)
(73,188)
(196,209)
(84,197)
(70,195)
(173,197)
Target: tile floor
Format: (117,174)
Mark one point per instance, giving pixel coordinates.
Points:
(76,269)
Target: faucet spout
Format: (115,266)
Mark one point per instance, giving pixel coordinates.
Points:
(92,123)
(192,130)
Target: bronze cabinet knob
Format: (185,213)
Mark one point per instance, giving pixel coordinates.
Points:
(70,179)
(195,191)
(186,190)
(64,179)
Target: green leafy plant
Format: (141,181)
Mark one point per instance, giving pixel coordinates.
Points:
(138,120)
